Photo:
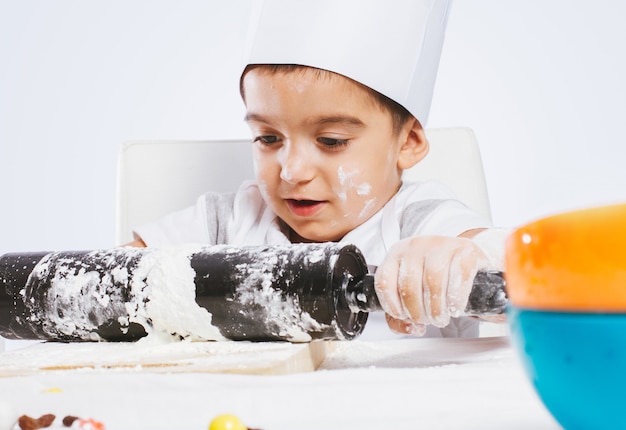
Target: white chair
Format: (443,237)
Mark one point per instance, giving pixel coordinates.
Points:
(159,177)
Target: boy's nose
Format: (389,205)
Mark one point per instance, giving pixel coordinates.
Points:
(296,164)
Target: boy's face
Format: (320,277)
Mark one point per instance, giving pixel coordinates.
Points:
(326,154)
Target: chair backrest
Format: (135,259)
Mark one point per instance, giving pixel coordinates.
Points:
(158,177)
(454,160)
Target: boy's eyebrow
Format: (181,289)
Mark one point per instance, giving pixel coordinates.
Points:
(339,119)
(254,117)
(332,119)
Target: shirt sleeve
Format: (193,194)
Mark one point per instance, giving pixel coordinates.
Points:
(444,218)
(181,227)
(205,223)
(429,208)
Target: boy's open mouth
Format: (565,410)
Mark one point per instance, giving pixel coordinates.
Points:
(304,207)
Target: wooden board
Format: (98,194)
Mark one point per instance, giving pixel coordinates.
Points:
(211,357)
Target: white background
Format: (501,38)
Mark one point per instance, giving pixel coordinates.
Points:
(542,83)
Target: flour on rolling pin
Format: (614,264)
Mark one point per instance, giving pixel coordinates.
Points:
(193,292)
(78,298)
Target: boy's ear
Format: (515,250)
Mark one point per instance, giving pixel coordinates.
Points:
(414,146)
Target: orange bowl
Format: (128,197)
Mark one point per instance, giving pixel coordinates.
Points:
(574,262)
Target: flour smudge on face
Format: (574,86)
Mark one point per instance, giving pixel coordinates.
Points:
(347,183)
(367,208)
(364,189)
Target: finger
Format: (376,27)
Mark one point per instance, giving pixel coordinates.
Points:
(400,326)
(386,286)
(434,281)
(436,277)
(463,269)
(411,289)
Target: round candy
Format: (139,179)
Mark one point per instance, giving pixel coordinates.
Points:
(227,422)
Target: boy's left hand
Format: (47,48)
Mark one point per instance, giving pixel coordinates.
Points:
(427,280)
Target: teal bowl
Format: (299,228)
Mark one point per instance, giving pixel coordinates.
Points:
(577,364)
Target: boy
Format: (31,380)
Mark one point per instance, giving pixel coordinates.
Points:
(330,145)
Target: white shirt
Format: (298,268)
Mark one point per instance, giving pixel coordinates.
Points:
(417,209)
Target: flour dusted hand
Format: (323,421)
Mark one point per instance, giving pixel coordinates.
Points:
(427,280)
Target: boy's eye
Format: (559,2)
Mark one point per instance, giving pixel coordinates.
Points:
(266,140)
(333,143)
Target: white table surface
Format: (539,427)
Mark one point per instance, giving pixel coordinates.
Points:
(400,384)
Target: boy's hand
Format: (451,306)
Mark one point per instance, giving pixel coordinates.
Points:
(427,280)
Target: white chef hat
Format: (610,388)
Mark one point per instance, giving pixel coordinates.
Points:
(392,47)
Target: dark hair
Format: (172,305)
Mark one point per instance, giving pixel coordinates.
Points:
(399,114)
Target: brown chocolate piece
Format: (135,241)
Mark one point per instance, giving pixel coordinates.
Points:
(69,420)
(28,423)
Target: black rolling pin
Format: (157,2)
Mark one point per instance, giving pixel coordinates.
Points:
(271,293)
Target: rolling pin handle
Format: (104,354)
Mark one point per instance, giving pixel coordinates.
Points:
(361,296)
(488,295)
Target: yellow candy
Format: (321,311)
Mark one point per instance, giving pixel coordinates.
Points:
(53,390)
(227,422)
